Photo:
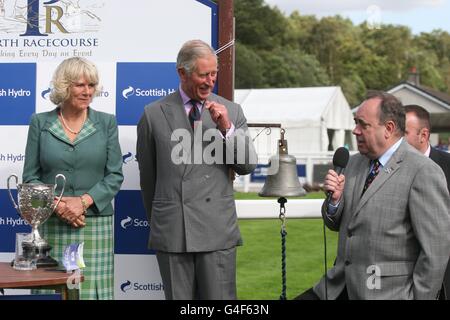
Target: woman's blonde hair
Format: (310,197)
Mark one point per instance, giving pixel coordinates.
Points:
(68,72)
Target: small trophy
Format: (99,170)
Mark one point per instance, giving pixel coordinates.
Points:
(36,205)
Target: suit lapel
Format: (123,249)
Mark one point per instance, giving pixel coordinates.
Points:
(173,110)
(386,173)
(175,114)
(363,169)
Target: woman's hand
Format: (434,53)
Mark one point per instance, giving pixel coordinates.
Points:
(71,210)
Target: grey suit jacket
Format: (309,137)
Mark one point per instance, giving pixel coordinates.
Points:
(190,207)
(397,229)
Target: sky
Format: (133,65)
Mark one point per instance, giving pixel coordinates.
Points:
(418,15)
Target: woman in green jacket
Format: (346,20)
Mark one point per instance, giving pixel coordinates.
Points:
(82,144)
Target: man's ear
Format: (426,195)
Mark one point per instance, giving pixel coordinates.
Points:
(424,135)
(182,74)
(391,128)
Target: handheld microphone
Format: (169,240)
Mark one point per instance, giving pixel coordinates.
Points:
(340,160)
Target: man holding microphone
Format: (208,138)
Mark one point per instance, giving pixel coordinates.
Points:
(391,209)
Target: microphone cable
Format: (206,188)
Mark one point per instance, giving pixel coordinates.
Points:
(325,258)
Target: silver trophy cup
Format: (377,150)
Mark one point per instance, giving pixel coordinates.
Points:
(36,205)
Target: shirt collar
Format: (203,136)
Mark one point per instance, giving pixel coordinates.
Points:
(427,153)
(185,98)
(388,154)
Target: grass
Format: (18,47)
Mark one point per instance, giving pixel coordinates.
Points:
(259,259)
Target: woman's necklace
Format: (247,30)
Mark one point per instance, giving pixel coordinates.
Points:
(67,127)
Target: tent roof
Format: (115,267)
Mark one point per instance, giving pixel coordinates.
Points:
(297,106)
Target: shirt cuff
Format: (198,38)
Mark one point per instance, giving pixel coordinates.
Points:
(229,132)
(332,208)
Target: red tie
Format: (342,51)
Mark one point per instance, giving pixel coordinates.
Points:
(194,113)
(372,174)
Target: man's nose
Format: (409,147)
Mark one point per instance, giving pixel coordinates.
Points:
(210,79)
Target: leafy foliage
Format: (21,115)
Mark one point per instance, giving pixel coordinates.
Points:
(278,51)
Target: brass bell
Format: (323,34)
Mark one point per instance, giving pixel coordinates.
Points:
(282,179)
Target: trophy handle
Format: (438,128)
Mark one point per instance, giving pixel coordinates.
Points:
(62,190)
(9,191)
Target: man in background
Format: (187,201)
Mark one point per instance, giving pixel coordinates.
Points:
(417,133)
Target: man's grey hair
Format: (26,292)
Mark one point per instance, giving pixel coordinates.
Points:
(190,52)
(390,109)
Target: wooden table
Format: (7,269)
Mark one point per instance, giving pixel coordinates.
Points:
(42,278)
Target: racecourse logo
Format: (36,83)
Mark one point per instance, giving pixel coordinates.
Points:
(125,223)
(125,286)
(65,17)
(128,92)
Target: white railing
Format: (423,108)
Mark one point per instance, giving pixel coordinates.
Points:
(270,209)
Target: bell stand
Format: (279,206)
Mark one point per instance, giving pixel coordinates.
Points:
(289,186)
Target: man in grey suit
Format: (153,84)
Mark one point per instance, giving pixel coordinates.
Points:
(188,143)
(417,133)
(391,210)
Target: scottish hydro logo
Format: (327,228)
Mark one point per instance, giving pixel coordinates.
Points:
(137,286)
(45,94)
(139,84)
(130,222)
(125,286)
(128,157)
(131,227)
(17,92)
(125,223)
(128,92)
(149,92)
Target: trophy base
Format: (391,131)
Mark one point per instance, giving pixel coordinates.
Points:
(43,259)
(46,262)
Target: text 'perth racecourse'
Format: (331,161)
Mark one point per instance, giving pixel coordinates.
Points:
(49,43)
(208,147)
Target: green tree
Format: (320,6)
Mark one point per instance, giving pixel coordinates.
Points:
(392,42)
(249,68)
(258,25)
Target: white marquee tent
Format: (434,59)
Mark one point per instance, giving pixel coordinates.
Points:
(311,117)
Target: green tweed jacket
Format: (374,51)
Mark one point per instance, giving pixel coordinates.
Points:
(91,164)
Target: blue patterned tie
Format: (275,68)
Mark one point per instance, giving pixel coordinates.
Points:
(194,113)
(372,174)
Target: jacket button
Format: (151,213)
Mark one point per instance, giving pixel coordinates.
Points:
(208,199)
(70,149)
(349,234)
(347,263)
